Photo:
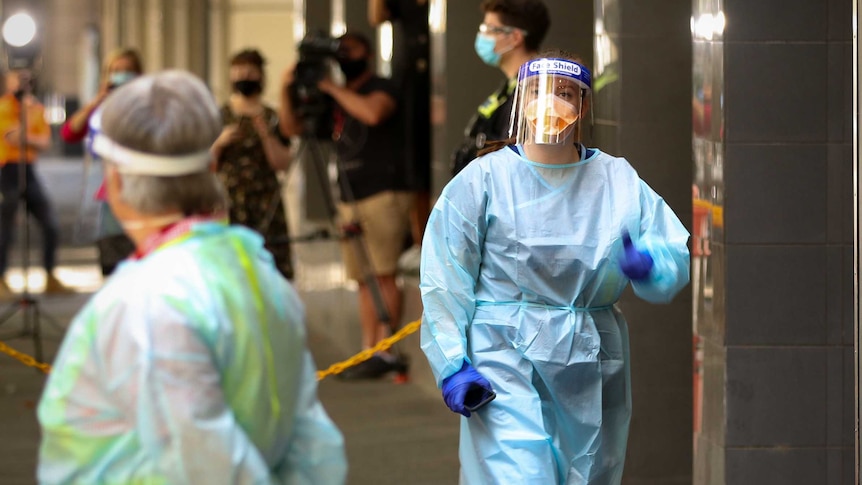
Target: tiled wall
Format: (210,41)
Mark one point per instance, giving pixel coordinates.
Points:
(775,303)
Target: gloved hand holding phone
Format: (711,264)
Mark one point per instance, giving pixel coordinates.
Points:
(635,264)
(467,390)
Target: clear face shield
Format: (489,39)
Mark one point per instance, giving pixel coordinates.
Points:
(549,102)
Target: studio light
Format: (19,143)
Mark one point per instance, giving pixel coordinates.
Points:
(20,41)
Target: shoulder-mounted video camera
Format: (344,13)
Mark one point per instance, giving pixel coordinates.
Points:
(311,106)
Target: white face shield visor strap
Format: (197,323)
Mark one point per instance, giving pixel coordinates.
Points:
(134,162)
(549,101)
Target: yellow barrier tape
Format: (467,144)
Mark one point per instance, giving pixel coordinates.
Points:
(333,369)
(366,354)
(24,358)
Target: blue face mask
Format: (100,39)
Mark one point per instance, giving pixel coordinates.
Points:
(121,77)
(485,45)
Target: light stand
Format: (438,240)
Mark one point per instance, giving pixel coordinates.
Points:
(18,34)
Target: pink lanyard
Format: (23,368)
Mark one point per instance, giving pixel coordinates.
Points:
(174,233)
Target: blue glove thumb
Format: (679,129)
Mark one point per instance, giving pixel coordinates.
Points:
(635,264)
(466,390)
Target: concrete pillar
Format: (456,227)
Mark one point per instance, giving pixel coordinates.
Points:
(154,29)
(356,18)
(218,47)
(777,322)
(132,28)
(111,25)
(642,86)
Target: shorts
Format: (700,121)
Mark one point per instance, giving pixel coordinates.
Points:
(385,221)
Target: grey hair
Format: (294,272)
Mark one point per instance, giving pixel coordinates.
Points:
(169,113)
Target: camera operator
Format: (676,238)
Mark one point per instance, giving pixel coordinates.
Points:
(369,134)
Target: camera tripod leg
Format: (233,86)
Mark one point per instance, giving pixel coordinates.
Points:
(319,162)
(30,326)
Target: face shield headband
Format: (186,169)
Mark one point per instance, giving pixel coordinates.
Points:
(130,161)
(548,101)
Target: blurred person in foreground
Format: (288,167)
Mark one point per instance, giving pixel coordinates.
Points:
(37,136)
(526,253)
(250,152)
(374,193)
(120,67)
(190,364)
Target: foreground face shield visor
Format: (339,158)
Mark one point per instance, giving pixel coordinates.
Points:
(549,101)
(100,147)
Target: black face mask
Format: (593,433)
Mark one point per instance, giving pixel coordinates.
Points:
(353,68)
(248,87)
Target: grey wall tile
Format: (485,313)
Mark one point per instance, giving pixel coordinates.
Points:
(835,272)
(776,467)
(606,136)
(839,295)
(840,466)
(848,398)
(847,296)
(768,92)
(776,295)
(775,20)
(571,29)
(669,18)
(836,375)
(840,17)
(840,397)
(663,160)
(776,397)
(668,83)
(775,193)
(839,194)
(839,80)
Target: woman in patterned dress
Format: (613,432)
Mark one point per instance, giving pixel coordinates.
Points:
(251,152)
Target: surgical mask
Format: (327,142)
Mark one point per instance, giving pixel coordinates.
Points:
(119,78)
(485,45)
(550,116)
(353,68)
(248,87)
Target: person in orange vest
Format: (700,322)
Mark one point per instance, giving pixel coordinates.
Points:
(37,139)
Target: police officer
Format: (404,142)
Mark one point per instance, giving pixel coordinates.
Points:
(509,36)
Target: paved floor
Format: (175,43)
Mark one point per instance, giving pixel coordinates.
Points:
(395,433)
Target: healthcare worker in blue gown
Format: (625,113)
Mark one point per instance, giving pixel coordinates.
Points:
(525,254)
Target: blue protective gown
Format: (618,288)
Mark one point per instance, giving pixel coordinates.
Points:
(520,273)
(189,366)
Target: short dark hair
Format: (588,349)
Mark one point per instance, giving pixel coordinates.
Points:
(248,57)
(529,15)
(360,38)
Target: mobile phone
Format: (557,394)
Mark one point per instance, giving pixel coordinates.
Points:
(478,397)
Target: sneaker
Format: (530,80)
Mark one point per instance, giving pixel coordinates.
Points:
(373,368)
(56,287)
(409,261)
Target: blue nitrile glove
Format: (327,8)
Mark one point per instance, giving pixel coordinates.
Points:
(465,388)
(635,264)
